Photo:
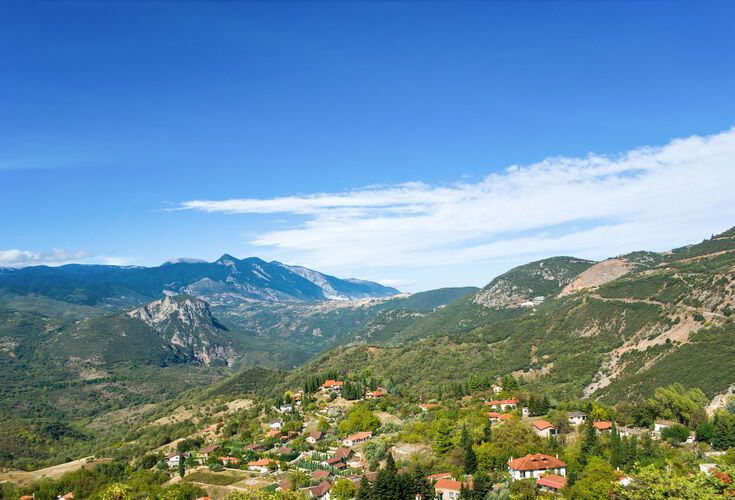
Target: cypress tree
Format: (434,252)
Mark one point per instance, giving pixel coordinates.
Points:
(616,447)
(590,446)
(182,467)
(470,459)
(487,431)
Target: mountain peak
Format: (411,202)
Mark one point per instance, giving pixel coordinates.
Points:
(226,259)
(183,260)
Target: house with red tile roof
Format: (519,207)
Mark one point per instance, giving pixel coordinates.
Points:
(227,461)
(544,428)
(551,483)
(332,385)
(320,491)
(449,489)
(536,466)
(260,465)
(374,394)
(322,475)
(602,426)
(493,416)
(313,437)
(502,404)
(505,416)
(357,438)
(428,406)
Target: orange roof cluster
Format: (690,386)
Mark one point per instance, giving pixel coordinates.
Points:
(538,461)
(602,426)
(331,383)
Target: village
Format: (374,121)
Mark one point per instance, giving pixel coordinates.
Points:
(329,442)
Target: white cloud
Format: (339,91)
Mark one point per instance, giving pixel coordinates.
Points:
(648,198)
(55,257)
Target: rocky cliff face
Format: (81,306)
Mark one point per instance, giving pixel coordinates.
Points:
(188,326)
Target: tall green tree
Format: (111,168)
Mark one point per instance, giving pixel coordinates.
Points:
(470,459)
(590,446)
(617,454)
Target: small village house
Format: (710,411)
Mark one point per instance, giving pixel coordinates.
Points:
(576,417)
(320,491)
(260,465)
(602,426)
(544,429)
(551,483)
(332,385)
(229,461)
(449,489)
(428,406)
(493,416)
(358,437)
(374,394)
(275,424)
(536,466)
(207,450)
(502,404)
(313,437)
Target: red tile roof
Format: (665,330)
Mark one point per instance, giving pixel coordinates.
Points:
(538,461)
(263,462)
(320,474)
(502,402)
(602,426)
(493,414)
(316,435)
(343,453)
(543,425)
(443,485)
(505,416)
(359,436)
(331,383)
(320,489)
(555,482)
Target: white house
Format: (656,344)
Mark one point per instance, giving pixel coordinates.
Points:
(502,404)
(448,489)
(275,424)
(260,465)
(660,425)
(544,428)
(285,408)
(359,437)
(576,417)
(536,466)
(497,389)
(173,459)
(313,437)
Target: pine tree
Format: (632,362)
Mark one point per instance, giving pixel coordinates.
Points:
(470,459)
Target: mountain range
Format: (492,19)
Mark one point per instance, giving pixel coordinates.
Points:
(225,281)
(80,342)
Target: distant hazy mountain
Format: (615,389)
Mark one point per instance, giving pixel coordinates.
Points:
(226,281)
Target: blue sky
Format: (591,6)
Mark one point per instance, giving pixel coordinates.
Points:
(363,139)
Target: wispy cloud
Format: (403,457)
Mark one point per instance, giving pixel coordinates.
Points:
(594,206)
(55,257)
